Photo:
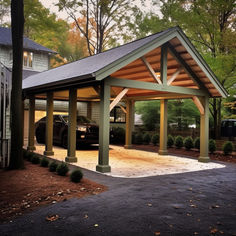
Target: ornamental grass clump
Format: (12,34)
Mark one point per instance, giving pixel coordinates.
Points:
(170,141)
(179,142)
(44,162)
(62,169)
(35,159)
(146,138)
(212,146)
(188,143)
(155,139)
(197,143)
(76,176)
(139,138)
(53,166)
(227,148)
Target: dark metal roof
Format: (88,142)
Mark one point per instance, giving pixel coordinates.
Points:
(87,67)
(28,44)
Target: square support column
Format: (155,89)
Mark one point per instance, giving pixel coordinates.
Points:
(163,128)
(49,126)
(72,123)
(31,146)
(204,131)
(104,129)
(129,123)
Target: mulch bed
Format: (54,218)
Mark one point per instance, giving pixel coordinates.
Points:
(22,191)
(218,155)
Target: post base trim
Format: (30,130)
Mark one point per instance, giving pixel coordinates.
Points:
(128,146)
(204,159)
(31,148)
(103,168)
(163,152)
(71,159)
(48,153)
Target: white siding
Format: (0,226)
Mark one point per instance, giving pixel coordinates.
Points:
(95,112)
(5,56)
(40,62)
(82,108)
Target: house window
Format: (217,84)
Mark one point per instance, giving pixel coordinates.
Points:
(28,59)
(117,115)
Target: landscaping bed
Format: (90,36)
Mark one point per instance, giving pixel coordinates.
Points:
(24,190)
(218,155)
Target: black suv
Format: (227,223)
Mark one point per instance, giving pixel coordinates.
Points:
(87,131)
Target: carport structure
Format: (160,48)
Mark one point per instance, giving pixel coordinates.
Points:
(161,66)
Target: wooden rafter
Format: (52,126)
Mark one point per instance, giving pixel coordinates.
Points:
(173,77)
(151,71)
(118,98)
(198,105)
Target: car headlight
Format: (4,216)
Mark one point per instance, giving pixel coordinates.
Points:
(82,129)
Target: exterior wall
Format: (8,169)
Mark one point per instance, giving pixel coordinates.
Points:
(5,56)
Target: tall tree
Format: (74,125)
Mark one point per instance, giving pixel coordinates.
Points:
(103,19)
(17,19)
(211,26)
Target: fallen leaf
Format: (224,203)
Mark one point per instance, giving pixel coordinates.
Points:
(195,233)
(222,232)
(192,205)
(52,218)
(157,233)
(213,231)
(190,189)
(96,225)
(215,206)
(149,204)
(85,216)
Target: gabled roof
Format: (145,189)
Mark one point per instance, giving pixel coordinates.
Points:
(28,44)
(104,64)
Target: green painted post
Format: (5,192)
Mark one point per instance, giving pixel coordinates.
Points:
(129,123)
(31,146)
(163,128)
(104,129)
(164,51)
(49,126)
(204,131)
(72,123)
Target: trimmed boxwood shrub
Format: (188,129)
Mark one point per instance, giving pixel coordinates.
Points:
(188,143)
(53,166)
(62,169)
(133,137)
(227,147)
(197,143)
(118,135)
(139,138)
(155,139)
(76,176)
(179,142)
(29,155)
(25,153)
(35,159)
(170,141)
(146,138)
(212,146)
(44,162)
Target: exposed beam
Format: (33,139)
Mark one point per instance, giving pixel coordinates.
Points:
(153,86)
(123,109)
(198,105)
(164,52)
(187,68)
(173,77)
(150,69)
(118,98)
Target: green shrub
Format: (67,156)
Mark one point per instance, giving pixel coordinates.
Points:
(212,146)
(35,159)
(179,142)
(118,135)
(53,166)
(227,147)
(62,169)
(170,141)
(139,138)
(146,138)
(29,155)
(76,176)
(44,162)
(188,143)
(133,138)
(155,139)
(25,153)
(197,143)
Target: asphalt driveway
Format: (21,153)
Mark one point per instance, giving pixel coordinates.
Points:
(193,203)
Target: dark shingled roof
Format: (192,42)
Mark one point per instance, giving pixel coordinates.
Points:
(87,67)
(28,44)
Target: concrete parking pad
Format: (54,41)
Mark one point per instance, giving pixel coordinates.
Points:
(130,163)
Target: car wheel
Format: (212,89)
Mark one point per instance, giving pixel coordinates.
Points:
(64,141)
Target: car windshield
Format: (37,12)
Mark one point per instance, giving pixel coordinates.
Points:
(80,120)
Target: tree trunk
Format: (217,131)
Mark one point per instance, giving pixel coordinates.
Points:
(17,19)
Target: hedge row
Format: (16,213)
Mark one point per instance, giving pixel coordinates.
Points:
(61,169)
